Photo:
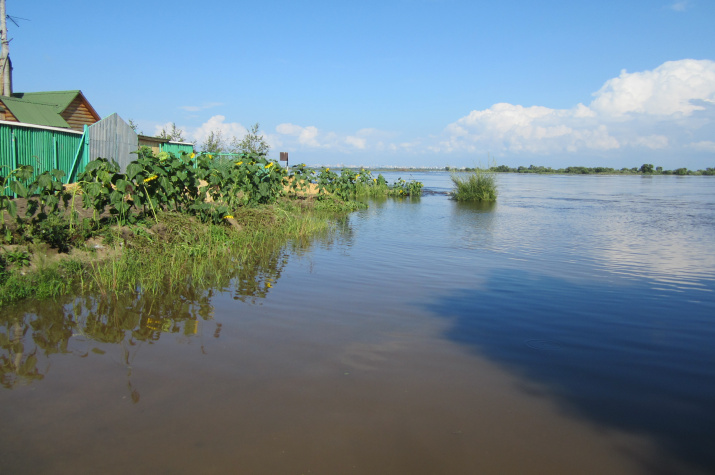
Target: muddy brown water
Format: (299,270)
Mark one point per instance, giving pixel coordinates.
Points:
(568,329)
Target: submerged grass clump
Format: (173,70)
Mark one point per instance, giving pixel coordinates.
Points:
(477,185)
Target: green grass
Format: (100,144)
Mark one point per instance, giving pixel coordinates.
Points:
(45,283)
(180,252)
(184,252)
(377,190)
(476,185)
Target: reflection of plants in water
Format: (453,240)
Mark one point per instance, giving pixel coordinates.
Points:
(144,317)
(255,281)
(36,331)
(35,334)
(16,364)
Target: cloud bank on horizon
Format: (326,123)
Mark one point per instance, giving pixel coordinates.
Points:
(665,112)
(670,107)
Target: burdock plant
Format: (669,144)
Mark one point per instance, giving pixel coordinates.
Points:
(477,185)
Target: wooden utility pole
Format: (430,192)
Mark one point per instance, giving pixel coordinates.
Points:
(5,64)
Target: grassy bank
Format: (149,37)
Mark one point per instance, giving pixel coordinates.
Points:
(165,222)
(165,254)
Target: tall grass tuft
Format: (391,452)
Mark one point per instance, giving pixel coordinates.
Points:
(181,251)
(476,185)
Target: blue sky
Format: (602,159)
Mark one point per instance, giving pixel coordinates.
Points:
(394,82)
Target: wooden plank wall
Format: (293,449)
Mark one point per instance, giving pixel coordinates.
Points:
(7,115)
(77,114)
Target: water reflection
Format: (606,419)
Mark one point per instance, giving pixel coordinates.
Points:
(78,326)
(475,223)
(625,358)
(31,333)
(17,365)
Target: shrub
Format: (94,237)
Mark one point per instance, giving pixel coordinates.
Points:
(54,230)
(477,185)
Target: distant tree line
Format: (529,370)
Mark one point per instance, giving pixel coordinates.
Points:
(645,169)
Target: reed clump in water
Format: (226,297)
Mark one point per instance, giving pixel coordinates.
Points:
(476,185)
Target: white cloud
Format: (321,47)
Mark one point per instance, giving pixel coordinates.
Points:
(673,88)
(704,145)
(307,136)
(669,110)
(158,128)
(288,129)
(652,142)
(311,137)
(649,110)
(216,123)
(369,138)
(357,142)
(536,129)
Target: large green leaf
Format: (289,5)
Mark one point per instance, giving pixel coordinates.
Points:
(18,188)
(133,169)
(24,172)
(122,185)
(93,165)
(116,198)
(11,207)
(45,181)
(93,189)
(58,174)
(52,202)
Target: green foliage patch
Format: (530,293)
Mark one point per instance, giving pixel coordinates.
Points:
(183,196)
(477,185)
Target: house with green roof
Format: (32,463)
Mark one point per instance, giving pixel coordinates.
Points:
(61,130)
(63,109)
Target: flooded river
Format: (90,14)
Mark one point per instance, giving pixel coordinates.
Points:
(567,329)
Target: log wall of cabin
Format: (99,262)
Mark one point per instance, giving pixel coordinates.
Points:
(5,114)
(77,114)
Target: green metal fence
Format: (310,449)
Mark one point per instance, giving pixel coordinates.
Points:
(48,148)
(44,148)
(177,148)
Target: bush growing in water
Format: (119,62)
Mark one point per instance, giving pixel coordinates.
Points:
(477,185)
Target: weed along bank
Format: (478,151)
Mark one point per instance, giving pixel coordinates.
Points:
(110,225)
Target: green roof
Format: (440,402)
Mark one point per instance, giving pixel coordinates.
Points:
(35,113)
(40,108)
(59,99)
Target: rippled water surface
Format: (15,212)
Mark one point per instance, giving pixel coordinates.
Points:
(569,328)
